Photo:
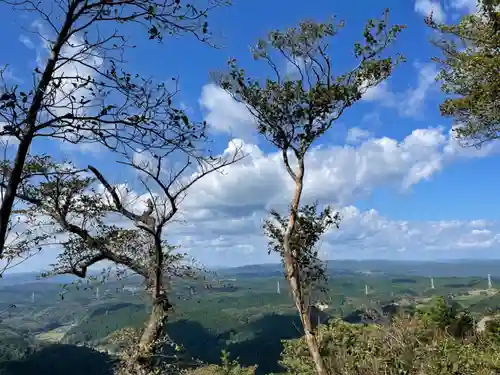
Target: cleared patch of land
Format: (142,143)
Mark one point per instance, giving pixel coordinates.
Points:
(54,335)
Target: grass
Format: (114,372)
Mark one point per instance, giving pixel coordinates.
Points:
(53,336)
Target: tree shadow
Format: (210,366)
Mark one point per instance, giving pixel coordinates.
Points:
(265,348)
(197,341)
(60,359)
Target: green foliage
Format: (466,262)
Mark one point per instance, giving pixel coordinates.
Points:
(228,367)
(440,312)
(232,367)
(448,315)
(408,346)
(492,329)
(470,73)
(14,346)
(248,321)
(98,326)
(292,113)
(309,227)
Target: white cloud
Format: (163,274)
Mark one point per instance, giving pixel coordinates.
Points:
(436,238)
(9,75)
(469,6)
(28,43)
(223,212)
(224,209)
(78,63)
(378,93)
(454,147)
(6,141)
(362,234)
(345,172)
(414,99)
(409,103)
(224,115)
(426,7)
(355,135)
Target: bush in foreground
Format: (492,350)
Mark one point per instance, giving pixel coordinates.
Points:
(409,346)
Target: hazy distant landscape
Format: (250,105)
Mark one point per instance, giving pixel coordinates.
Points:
(237,309)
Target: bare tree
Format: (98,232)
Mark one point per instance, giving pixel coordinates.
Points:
(81,206)
(83,93)
(293,112)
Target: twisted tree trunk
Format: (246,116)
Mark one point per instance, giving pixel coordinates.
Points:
(155,326)
(154,335)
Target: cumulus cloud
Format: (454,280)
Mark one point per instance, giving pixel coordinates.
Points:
(362,234)
(355,135)
(224,115)
(79,62)
(380,92)
(455,149)
(470,6)
(373,234)
(338,174)
(414,99)
(224,213)
(7,140)
(428,7)
(408,103)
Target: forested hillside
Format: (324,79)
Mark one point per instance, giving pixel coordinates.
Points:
(242,313)
(208,187)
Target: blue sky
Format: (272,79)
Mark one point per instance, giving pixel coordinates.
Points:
(406,189)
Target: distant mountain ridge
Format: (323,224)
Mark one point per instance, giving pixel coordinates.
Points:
(442,268)
(451,268)
(34,277)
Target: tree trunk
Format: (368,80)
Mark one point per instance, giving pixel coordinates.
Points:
(30,126)
(293,274)
(313,344)
(155,329)
(305,318)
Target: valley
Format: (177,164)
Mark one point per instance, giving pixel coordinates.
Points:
(239,310)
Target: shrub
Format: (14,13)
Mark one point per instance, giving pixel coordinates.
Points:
(408,346)
(228,367)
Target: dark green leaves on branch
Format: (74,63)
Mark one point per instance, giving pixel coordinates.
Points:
(293,111)
(470,73)
(309,228)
